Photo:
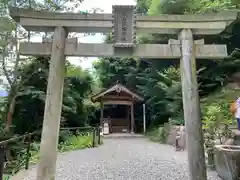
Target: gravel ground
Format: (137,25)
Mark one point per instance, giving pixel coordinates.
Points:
(121,159)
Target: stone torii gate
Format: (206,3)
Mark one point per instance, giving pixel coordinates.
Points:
(124,24)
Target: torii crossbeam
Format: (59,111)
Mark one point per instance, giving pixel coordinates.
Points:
(124,23)
(213,23)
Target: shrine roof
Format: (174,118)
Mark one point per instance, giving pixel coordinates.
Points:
(116,88)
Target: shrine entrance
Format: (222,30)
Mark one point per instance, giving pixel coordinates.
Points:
(124,23)
(117,109)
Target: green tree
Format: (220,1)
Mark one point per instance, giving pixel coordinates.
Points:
(10,35)
(159,80)
(28,115)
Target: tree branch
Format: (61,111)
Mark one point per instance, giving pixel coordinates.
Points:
(5,72)
(15,70)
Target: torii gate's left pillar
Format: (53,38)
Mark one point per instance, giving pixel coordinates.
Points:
(53,107)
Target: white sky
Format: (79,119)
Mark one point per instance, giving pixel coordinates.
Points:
(106,7)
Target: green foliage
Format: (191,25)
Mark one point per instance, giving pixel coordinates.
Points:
(159,80)
(70,142)
(159,134)
(29,80)
(75,142)
(179,120)
(143,6)
(3,134)
(170,82)
(6,177)
(34,153)
(219,103)
(166,6)
(217,117)
(164,96)
(203,6)
(212,118)
(186,6)
(33,76)
(111,70)
(64,135)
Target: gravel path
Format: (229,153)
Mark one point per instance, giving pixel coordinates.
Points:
(122,159)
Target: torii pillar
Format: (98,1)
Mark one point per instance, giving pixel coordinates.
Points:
(53,107)
(190,96)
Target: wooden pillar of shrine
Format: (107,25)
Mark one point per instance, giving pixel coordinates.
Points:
(101,116)
(132,118)
(144,118)
(53,107)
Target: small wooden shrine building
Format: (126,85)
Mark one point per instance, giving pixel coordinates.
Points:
(124,99)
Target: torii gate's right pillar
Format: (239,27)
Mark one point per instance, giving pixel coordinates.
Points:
(190,96)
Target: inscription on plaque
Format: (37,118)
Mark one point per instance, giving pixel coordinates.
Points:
(124,24)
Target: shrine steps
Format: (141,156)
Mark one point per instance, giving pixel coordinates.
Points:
(123,136)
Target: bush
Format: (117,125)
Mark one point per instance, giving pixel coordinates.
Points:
(159,134)
(177,121)
(34,153)
(75,142)
(216,122)
(64,135)
(68,142)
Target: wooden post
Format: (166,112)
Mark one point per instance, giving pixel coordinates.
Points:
(144,118)
(93,137)
(102,110)
(128,118)
(99,135)
(53,107)
(2,157)
(196,157)
(28,151)
(132,118)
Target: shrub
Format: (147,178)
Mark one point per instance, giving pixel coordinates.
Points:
(177,121)
(159,134)
(64,135)
(216,120)
(75,142)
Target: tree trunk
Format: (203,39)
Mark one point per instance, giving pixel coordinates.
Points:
(10,109)
(9,116)
(10,112)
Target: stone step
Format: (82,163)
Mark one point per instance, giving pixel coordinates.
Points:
(122,136)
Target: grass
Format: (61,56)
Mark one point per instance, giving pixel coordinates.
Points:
(71,142)
(75,143)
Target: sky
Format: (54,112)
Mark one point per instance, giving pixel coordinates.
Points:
(106,7)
